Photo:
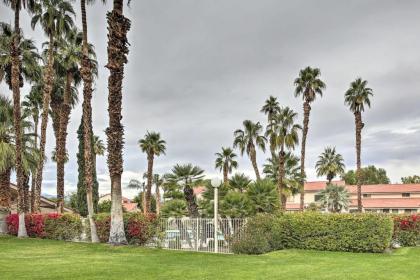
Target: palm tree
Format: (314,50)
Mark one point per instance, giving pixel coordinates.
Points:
(118,26)
(287,137)
(175,208)
(8,156)
(152,145)
(248,139)
(239,182)
(263,196)
(329,164)
(186,177)
(308,85)
(32,106)
(55,18)
(356,97)
(16,83)
(158,181)
(235,205)
(334,198)
(98,148)
(226,161)
(271,108)
(69,53)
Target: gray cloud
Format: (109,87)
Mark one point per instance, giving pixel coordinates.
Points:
(197,69)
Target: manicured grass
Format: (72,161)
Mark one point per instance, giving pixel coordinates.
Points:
(48,259)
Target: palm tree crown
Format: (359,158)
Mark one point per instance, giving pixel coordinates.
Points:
(308,84)
(357,96)
(271,107)
(329,164)
(250,137)
(225,160)
(98,146)
(285,129)
(152,144)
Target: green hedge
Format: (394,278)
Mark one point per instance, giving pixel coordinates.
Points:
(315,231)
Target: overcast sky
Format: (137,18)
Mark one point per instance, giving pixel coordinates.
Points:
(197,69)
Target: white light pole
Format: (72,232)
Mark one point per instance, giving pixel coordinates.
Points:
(216,182)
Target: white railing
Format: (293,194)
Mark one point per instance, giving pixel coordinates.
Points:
(197,234)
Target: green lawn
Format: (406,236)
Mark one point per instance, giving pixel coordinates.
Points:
(47,259)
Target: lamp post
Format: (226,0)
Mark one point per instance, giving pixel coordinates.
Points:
(216,182)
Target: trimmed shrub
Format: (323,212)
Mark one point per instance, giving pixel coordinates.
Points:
(315,231)
(50,226)
(138,227)
(63,227)
(407,230)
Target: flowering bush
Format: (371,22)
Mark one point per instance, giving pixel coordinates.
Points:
(138,227)
(51,226)
(407,229)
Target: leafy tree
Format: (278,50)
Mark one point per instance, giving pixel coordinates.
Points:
(104,206)
(415,179)
(226,161)
(334,198)
(239,182)
(186,177)
(235,205)
(369,175)
(176,208)
(287,137)
(308,85)
(330,164)
(153,145)
(248,139)
(81,186)
(263,196)
(271,108)
(356,97)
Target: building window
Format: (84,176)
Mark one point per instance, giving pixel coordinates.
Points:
(405,195)
(318,197)
(385,210)
(367,195)
(394,211)
(408,210)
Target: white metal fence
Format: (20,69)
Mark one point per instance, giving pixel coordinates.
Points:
(197,234)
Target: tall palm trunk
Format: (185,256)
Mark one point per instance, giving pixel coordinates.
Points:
(64,116)
(359,127)
(86,72)
(149,182)
(5,190)
(4,198)
(26,198)
(17,121)
(33,175)
(225,174)
(143,199)
(118,27)
(191,202)
(48,81)
(253,156)
(306,112)
(157,200)
(280,187)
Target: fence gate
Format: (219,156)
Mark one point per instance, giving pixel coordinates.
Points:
(190,234)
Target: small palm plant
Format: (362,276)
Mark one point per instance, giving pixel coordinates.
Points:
(248,139)
(334,198)
(239,182)
(263,196)
(226,161)
(356,97)
(330,164)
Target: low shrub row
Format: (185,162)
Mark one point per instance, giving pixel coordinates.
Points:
(139,228)
(315,231)
(50,226)
(407,230)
